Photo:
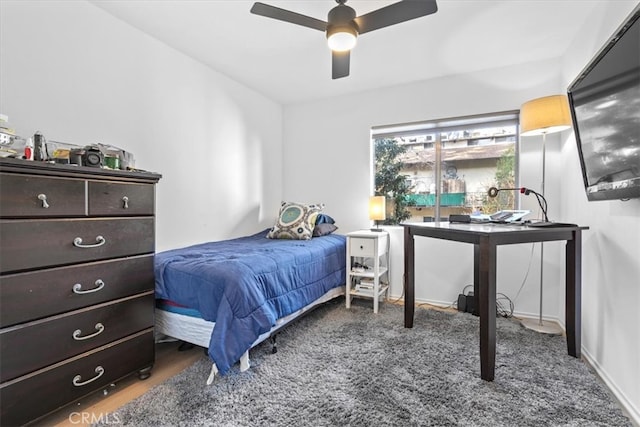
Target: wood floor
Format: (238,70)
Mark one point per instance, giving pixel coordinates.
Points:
(169,362)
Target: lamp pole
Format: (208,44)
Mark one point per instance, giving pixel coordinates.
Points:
(544,140)
(540,325)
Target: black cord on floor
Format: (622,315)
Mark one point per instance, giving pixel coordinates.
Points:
(501,310)
(504,305)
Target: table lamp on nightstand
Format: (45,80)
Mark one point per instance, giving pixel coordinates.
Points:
(377,210)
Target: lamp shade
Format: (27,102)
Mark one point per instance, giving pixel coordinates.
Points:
(545,115)
(377,208)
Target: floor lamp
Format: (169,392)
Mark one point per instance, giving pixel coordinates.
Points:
(539,117)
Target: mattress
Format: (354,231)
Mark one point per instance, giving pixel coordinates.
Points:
(186,324)
(246,285)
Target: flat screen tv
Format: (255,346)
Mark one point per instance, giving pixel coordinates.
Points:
(605,106)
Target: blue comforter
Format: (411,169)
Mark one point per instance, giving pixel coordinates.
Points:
(244,285)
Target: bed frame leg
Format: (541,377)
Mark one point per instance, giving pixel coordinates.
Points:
(184,346)
(244,361)
(212,374)
(274,349)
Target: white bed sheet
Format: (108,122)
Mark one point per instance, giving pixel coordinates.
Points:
(198,331)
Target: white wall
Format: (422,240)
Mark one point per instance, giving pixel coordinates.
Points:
(337,171)
(337,132)
(611,247)
(79,75)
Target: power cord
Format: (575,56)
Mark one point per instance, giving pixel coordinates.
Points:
(500,308)
(400,298)
(504,305)
(526,275)
(503,301)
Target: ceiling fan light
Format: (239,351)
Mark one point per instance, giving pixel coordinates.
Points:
(342,39)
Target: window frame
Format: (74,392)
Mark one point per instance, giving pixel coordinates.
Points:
(445,125)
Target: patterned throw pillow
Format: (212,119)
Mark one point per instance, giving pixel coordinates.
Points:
(296,221)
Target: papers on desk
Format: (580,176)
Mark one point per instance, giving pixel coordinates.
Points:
(505,216)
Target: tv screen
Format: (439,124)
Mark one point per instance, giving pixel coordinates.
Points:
(605,106)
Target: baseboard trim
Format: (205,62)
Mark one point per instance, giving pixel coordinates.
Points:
(448,304)
(628,407)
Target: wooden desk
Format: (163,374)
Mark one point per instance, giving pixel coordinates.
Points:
(485,239)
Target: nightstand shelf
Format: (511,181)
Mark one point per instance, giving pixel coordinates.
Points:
(368,293)
(367,266)
(369,274)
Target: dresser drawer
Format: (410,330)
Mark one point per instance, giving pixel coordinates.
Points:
(33,396)
(25,196)
(30,244)
(37,294)
(119,199)
(31,346)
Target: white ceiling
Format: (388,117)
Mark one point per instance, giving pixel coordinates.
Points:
(292,64)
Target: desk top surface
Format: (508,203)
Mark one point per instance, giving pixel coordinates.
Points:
(511,233)
(488,227)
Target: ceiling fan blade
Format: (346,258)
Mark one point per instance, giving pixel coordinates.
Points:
(394,14)
(288,16)
(340,64)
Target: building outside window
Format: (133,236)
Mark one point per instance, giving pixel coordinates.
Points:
(449,165)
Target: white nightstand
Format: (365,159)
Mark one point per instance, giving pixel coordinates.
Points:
(367,265)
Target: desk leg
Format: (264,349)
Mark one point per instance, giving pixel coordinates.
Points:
(485,265)
(347,291)
(476,279)
(573,289)
(409,278)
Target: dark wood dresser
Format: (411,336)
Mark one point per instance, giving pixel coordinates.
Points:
(76,283)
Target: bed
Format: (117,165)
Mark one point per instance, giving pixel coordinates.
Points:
(230,295)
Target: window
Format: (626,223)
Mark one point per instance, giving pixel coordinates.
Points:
(433,169)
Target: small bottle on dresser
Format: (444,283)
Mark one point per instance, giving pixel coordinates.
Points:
(28,150)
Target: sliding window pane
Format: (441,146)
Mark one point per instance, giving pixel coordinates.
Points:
(472,156)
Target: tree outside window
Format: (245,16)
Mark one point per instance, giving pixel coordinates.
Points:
(389,182)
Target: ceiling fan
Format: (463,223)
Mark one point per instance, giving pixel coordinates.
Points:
(343,27)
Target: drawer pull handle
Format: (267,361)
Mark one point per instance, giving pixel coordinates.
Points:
(77,378)
(77,288)
(125,202)
(77,333)
(77,242)
(43,199)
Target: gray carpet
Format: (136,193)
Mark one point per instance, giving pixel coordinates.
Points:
(339,367)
